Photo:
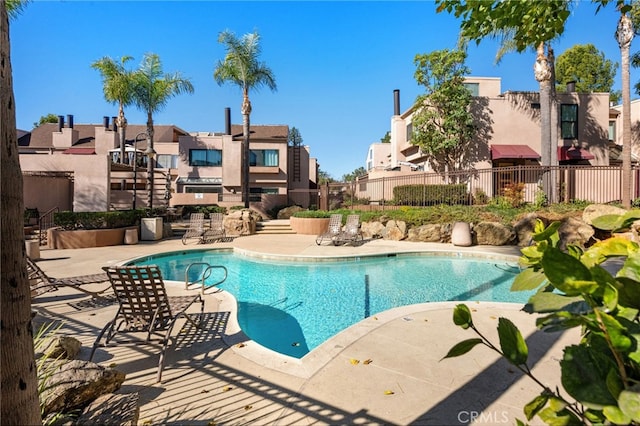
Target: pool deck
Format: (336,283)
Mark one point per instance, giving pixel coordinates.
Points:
(388,369)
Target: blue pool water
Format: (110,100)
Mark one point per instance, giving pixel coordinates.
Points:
(292,307)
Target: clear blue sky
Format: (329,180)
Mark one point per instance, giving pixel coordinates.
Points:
(336,63)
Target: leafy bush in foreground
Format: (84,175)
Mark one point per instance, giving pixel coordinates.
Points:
(601,373)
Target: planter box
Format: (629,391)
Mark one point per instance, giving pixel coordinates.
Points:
(151,229)
(309,226)
(61,239)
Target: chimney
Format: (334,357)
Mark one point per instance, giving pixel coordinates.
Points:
(396,102)
(105,122)
(60,122)
(115,126)
(70,121)
(571,86)
(227,121)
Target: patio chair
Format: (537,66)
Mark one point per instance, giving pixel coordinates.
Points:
(335,226)
(196,228)
(216,229)
(145,307)
(351,233)
(42,283)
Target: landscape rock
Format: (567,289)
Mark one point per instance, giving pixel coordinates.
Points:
(493,234)
(524,228)
(63,347)
(395,230)
(76,383)
(429,233)
(112,409)
(575,231)
(241,222)
(372,230)
(595,210)
(287,212)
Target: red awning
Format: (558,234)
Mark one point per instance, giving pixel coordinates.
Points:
(566,153)
(80,151)
(513,151)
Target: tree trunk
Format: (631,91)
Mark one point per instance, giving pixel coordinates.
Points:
(543,76)
(624,36)
(246,112)
(150,160)
(18,379)
(553,124)
(122,131)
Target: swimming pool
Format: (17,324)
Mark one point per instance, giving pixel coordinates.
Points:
(293,306)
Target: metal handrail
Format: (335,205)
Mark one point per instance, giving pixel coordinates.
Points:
(45,221)
(205,274)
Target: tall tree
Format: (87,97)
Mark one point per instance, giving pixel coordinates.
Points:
(241,66)
(386,138)
(295,138)
(349,177)
(18,379)
(527,24)
(152,91)
(117,86)
(49,118)
(443,122)
(624,36)
(588,68)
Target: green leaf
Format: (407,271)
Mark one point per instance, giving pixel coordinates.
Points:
(545,301)
(462,348)
(607,222)
(535,405)
(560,321)
(614,383)
(611,247)
(528,280)
(462,316)
(628,293)
(615,415)
(567,273)
(629,402)
(512,343)
(631,268)
(617,333)
(547,233)
(584,374)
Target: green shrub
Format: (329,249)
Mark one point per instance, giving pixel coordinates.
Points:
(207,210)
(30,213)
(601,372)
(318,214)
(429,195)
(98,220)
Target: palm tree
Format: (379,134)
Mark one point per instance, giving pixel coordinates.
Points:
(152,90)
(242,67)
(624,36)
(117,85)
(18,379)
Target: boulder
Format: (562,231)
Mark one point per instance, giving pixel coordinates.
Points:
(287,212)
(524,228)
(241,222)
(596,210)
(493,234)
(395,230)
(372,230)
(575,231)
(430,233)
(112,409)
(75,384)
(63,347)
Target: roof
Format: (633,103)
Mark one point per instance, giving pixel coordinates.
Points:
(42,136)
(263,132)
(513,151)
(79,151)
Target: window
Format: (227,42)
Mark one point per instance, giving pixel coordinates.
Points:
(205,157)
(264,157)
(473,88)
(202,189)
(409,131)
(166,161)
(612,130)
(569,121)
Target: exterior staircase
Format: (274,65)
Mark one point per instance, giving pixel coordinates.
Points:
(276,226)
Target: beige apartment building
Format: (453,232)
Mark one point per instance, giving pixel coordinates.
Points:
(76,167)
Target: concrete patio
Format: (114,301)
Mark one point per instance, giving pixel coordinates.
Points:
(388,369)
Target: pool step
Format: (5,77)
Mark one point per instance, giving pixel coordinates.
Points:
(279,226)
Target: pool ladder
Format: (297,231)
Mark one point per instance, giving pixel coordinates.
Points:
(205,274)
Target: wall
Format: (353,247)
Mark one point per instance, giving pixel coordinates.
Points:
(58,194)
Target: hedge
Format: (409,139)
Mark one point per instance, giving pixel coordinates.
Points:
(430,195)
(98,220)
